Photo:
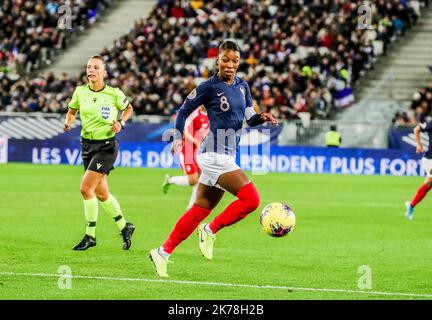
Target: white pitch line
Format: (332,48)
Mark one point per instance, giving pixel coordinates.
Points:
(220,284)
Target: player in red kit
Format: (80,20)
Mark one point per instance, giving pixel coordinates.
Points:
(196,128)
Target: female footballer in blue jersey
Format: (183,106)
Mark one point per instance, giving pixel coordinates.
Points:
(228,101)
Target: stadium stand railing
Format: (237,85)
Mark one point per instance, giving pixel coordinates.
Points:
(364,126)
(374,109)
(32,126)
(306,132)
(355,134)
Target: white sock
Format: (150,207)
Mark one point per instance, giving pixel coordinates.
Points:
(163,253)
(179,180)
(193,196)
(208,230)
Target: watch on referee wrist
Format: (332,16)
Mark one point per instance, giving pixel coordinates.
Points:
(122,123)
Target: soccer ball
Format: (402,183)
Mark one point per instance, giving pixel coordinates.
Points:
(277,219)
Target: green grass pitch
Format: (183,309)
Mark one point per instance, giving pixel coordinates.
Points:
(343,223)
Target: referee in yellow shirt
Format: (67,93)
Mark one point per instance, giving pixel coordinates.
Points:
(99,105)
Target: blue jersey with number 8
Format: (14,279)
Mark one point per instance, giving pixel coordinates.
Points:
(227,106)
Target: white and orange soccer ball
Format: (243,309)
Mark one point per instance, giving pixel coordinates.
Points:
(277,219)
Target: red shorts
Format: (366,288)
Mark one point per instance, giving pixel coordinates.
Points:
(189,164)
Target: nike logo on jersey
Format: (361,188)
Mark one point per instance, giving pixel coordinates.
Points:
(220,93)
(98,166)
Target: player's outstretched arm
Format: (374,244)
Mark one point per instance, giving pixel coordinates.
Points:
(70,119)
(268,117)
(259,118)
(419,148)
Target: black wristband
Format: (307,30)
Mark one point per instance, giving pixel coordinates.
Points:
(255,120)
(122,123)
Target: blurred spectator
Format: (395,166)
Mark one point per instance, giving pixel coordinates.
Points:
(401,119)
(420,109)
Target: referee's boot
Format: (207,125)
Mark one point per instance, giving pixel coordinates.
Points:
(86,242)
(127,232)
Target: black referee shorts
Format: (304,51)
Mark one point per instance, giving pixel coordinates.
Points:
(99,155)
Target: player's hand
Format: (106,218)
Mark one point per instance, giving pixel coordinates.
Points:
(116,127)
(67,127)
(419,149)
(268,117)
(176,146)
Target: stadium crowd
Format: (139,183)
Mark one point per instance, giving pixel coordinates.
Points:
(30,33)
(420,109)
(298,55)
